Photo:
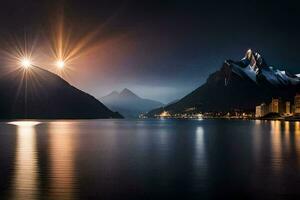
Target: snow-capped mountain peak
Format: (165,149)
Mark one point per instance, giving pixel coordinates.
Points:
(253,66)
(248,54)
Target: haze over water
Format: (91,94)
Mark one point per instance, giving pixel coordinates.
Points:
(154,159)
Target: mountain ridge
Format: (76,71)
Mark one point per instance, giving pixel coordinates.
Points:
(36,93)
(128,103)
(238,85)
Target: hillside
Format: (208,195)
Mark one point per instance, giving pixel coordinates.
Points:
(36,93)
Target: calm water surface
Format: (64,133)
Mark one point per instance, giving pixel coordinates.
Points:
(151,159)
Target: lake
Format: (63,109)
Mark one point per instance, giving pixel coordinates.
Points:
(150,159)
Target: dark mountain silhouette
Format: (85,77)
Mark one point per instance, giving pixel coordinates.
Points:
(129,104)
(172,102)
(238,85)
(39,94)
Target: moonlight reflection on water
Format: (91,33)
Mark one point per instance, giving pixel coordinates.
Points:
(154,159)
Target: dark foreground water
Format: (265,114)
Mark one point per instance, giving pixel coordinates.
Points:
(152,159)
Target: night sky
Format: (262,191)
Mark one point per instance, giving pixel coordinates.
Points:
(160,49)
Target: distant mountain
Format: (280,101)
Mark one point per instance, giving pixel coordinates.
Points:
(238,85)
(129,104)
(39,94)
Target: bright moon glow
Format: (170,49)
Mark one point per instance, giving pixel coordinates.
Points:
(60,64)
(25,62)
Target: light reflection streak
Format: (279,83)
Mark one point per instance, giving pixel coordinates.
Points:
(199,146)
(257,137)
(287,136)
(200,155)
(163,145)
(257,122)
(284,141)
(62,146)
(297,140)
(25,181)
(25,123)
(276,145)
(297,128)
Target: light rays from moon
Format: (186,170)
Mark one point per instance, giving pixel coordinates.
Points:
(66,46)
(60,50)
(56,51)
(19,54)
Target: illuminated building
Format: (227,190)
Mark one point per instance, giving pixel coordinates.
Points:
(264,109)
(274,106)
(261,110)
(297,104)
(258,111)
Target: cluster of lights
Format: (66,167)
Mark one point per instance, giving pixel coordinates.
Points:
(26,63)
